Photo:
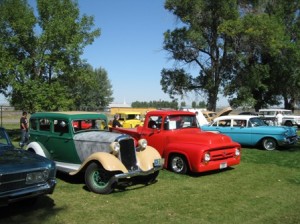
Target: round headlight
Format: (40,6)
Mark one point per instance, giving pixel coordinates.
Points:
(237,152)
(206,157)
(143,143)
(115,148)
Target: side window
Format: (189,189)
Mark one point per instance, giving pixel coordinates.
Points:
(60,126)
(154,122)
(33,124)
(225,123)
(239,123)
(44,124)
(235,123)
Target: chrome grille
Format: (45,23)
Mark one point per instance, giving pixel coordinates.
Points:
(222,154)
(12,181)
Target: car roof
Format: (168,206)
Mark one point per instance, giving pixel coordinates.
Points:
(128,112)
(69,114)
(245,117)
(274,110)
(169,112)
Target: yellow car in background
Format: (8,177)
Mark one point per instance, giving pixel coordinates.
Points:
(129,119)
(211,115)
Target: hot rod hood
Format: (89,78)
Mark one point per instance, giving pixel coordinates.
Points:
(87,143)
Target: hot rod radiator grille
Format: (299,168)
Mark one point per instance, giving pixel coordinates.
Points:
(127,154)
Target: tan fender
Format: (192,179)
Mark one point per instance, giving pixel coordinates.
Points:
(146,158)
(108,161)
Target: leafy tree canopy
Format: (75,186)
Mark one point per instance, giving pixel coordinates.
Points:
(245,50)
(40,55)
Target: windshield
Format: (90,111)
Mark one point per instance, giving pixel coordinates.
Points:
(90,124)
(255,121)
(3,139)
(180,121)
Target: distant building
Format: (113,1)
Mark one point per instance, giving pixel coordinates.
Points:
(119,105)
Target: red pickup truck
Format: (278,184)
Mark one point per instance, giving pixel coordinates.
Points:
(176,135)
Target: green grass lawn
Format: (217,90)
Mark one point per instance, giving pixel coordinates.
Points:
(264,188)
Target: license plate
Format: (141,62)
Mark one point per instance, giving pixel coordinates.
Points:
(223,165)
(158,162)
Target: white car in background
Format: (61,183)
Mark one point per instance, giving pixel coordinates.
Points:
(288,119)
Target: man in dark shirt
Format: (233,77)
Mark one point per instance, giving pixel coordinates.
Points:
(116,122)
(24,129)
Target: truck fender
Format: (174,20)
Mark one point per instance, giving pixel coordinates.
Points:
(146,158)
(108,161)
(38,149)
(177,149)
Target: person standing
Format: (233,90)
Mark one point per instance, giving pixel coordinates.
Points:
(279,118)
(24,129)
(116,122)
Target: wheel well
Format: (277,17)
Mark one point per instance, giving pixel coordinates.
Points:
(83,169)
(31,150)
(288,123)
(261,142)
(177,154)
(268,138)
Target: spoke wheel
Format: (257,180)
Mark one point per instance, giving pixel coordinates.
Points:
(178,164)
(269,144)
(98,180)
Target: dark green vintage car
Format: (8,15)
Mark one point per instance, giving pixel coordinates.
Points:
(80,142)
(23,175)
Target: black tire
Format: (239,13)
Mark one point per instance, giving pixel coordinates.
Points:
(149,179)
(98,180)
(269,144)
(178,164)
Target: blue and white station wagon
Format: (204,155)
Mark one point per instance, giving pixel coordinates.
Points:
(250,130)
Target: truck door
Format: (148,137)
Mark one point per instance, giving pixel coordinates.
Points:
(153,133)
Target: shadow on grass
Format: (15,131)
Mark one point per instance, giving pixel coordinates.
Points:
(228,169)
(132,184)
(28,211)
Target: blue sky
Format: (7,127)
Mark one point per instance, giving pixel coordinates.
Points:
(130,47)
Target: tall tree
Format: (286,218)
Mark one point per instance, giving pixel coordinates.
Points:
(199,43)
(93,89)
(265,40)
(41,55)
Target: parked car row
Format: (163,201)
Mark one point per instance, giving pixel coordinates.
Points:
(83,143)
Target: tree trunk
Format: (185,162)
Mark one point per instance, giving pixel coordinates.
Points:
(212,101)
